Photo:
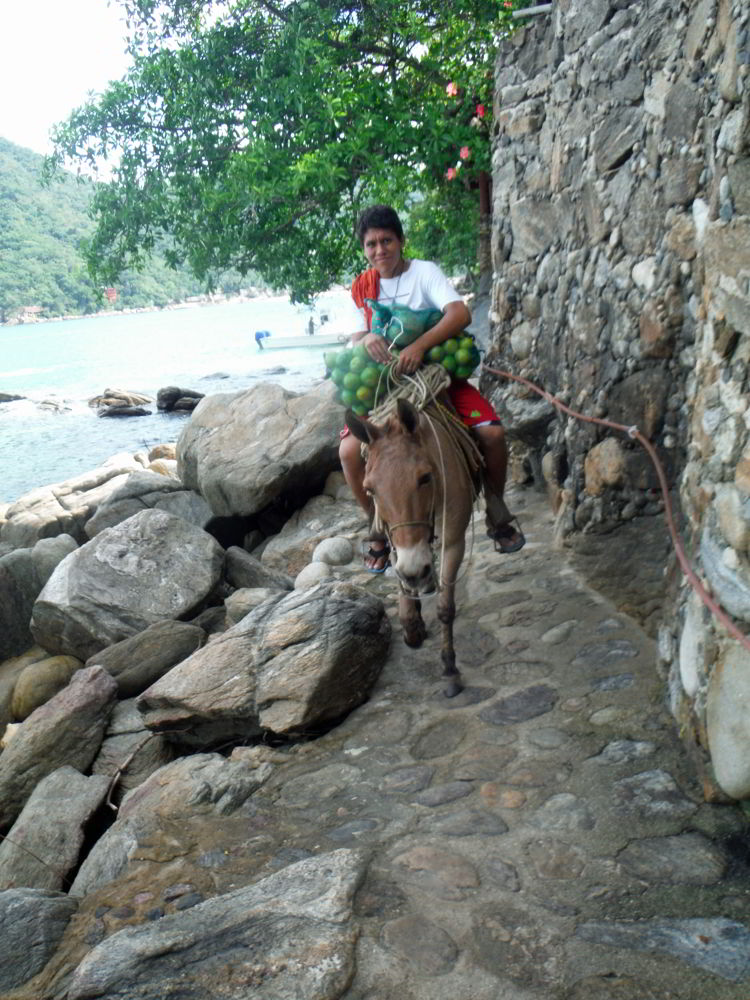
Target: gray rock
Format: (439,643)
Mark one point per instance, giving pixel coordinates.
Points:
(311,575)
(243,570)
(288,936)
(652,794)
(197,785)
(425,947)
(717,945)
(32,921)
(321,518)
(10,670)
(130,753)
(334,551)
(171,397)
(23,574)
(728,721)
(140,491)
(44,843)
(289,665)
(614,139)
(604,654)
(731,586)
(687,859)
(564,813)
(151,567)
(68,729)
(241,451)
(138,661)
(65,507)
(39,681)
(245,600)
(525,704)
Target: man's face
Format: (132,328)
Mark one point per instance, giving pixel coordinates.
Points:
(383,248)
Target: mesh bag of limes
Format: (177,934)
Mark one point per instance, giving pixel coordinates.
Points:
(363,383)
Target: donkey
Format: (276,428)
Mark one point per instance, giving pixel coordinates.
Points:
(422,493)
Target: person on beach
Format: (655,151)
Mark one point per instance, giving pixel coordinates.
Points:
(420,284)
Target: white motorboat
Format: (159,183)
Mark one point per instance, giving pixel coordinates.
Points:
(268,341)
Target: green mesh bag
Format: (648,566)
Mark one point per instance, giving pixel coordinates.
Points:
(401,325)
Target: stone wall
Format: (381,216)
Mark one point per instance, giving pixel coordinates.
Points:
(621,257)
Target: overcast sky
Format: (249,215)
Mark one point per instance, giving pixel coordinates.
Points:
(52,53)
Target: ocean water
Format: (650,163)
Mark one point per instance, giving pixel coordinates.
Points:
(52,434)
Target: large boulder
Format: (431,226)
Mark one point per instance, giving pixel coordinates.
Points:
(23,573)
(243,450)
(141,659)
(243,570)
(68,729)
(321,518)
(151,567)
(44,843)
(143,490)
(290,935)
(203,784)
(10,670)
(293,663)
(39,681)
(32,921)
(64,507)
(130,753)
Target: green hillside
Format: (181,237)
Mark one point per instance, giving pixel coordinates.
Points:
(40,230)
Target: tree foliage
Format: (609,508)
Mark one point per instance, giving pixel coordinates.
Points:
(250,132)
(40,235)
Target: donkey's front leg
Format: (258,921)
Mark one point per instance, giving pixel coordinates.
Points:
(410,616)
(446,611)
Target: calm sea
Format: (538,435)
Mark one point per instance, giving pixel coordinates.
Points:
(53,434)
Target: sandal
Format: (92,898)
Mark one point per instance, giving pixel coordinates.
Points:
(379,555)
(507,539)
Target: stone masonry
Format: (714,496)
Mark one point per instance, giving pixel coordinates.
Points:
(621,257)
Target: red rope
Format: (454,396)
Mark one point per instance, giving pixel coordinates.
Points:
(636,435)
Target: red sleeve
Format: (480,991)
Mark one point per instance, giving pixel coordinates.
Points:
(366,286)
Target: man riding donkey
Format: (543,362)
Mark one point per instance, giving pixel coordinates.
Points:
(418,284)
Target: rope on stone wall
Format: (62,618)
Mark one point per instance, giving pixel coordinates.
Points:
(677,543)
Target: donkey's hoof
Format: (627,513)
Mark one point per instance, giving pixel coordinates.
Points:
(452,688)
(415,635)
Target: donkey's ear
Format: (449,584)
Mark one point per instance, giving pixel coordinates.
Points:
(361,429)
(408,415)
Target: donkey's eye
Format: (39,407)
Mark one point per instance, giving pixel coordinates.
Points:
(425,479)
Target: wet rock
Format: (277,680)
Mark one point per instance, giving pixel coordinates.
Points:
(32,921)
(717,945)
(141,659)
(241,451)
(151,567)
(687,859)
(68,729)
(44,843)
(289,935)
(289,665)
(171,397)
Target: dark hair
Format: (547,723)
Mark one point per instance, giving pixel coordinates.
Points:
(378,217)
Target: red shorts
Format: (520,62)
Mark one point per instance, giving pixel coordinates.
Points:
(470,405)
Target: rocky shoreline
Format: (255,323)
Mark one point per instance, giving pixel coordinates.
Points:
(224,774)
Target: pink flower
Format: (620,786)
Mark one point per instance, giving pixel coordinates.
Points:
(508,4)
(480,111)
(464,152)
(451,90)
(450,173)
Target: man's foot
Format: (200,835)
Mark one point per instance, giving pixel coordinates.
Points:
(506,537)
(377,555)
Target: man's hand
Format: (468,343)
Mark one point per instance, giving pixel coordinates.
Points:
(409,359)
(377,347)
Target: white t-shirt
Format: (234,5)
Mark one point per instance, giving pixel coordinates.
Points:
(422,286)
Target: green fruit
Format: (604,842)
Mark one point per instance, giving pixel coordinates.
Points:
(343,359)
(436,353)
(450,346)
(347,397)
(337,376)
(463,357)
(370,375)
(449,363)
(351,380)
(466,343)
(357,364)
(360,351)
(364,393)
(360,409)
(330,359)
(464,371)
